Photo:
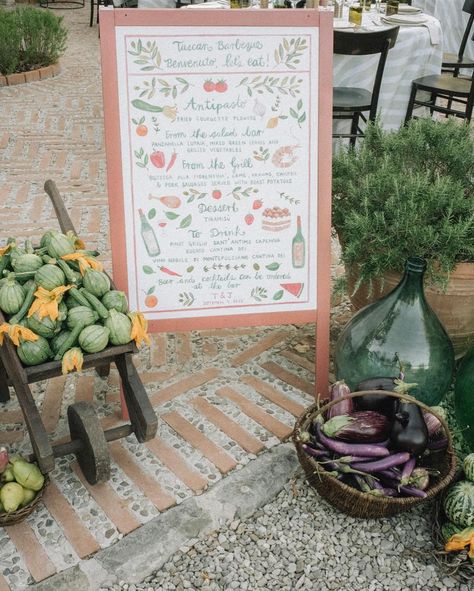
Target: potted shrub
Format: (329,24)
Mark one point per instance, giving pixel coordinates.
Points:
(410,193)
(31,39)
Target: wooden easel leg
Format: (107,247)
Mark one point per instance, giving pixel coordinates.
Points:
(142,416)
(4,391)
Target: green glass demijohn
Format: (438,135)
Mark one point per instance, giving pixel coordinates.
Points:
(464,398)
(400,328)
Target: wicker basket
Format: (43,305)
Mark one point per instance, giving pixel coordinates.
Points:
(358,504)
(21,514)
(453,563)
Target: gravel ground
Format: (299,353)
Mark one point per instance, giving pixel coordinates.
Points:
(299,542)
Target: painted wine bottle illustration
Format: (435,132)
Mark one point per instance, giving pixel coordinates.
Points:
(148,236)
(298,246)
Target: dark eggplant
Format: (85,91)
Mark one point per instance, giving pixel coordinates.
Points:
(337,390)
(379,383)
(358,427)
(409,432)
(379,402)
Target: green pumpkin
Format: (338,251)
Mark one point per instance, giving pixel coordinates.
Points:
(34,352)
(56,342)
(468,467)
(50,277)
(81,315)
(45,327)
(26,262)
(58,245)
(46,238)
(12,296)
(448,529)
(117,300)
(94,338)
(458,503)
(120,327)
(96,282)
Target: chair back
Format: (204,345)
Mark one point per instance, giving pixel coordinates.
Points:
(468,7)
(355,43)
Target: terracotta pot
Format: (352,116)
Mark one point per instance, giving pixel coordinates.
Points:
(454,307)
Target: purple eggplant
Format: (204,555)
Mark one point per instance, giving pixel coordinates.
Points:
(358,427)
(407,470)
(409,432)
(437,444)
(433,424)
(382,464)
(350,449)
(337,390)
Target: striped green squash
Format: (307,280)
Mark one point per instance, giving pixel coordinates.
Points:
(94,338)
(459,503)
(468,467)
(448,529)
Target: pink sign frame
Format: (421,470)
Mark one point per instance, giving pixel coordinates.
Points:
(110,19)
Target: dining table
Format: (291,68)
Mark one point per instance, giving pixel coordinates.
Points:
(417,52)
(453,22)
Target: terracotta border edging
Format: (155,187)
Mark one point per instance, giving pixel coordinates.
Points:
(31,76)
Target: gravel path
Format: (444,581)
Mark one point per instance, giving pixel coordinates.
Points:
(298,542)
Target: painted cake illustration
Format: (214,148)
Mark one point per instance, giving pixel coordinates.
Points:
(276,219)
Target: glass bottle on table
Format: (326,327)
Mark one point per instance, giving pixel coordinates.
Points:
(148,236)
(298,247)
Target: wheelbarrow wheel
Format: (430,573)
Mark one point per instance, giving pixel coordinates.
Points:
(93,456)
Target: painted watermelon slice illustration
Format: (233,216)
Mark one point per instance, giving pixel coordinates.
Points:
(295,289)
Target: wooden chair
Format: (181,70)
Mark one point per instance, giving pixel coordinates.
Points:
(446,88)
(454,62)
(352,102)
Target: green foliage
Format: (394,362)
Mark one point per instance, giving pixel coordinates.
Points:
(406,193)
(30,38)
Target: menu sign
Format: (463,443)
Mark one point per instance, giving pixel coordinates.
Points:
(218,131)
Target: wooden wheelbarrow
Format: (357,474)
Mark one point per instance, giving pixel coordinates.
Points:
(88,440)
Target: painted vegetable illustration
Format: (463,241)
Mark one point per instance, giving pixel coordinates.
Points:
(158,159)
(221,86)
(249,219)
(170,272)
(171,201)
(172,161)
(209,86)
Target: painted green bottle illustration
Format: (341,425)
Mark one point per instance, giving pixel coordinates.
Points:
(148,236)
(298,246)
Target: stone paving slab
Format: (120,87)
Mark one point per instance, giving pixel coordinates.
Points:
(223,397)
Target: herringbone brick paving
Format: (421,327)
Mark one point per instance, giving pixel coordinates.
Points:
(222,396)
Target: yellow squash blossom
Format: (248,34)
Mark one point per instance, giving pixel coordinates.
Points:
(78,244)
(72,359)
(15,332)
(6,248)
(460,540)
(85,262)
(46,302)
(139,325)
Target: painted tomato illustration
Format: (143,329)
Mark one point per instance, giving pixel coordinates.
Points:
(216,194)
(158,159)
(151,301)
(209,86)
(257,204)
(249,219)
(221,86)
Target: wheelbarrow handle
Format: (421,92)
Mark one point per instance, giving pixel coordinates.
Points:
(61,212)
